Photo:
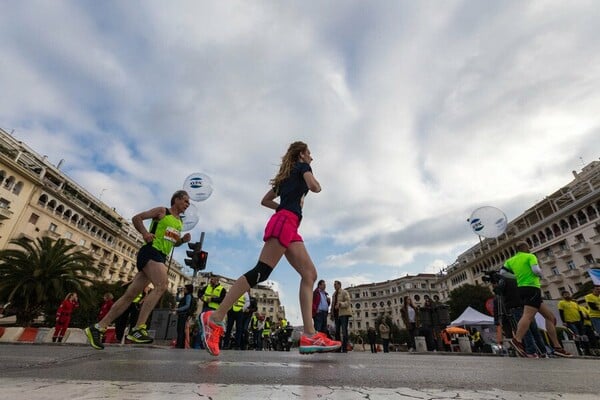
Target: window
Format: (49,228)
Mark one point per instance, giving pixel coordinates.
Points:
(589,259)
(417,297)
(68,235)
(547,295)
(579,238)
(52,227)
(82,242)
(33,219)
(4,203)
(381,304)
(366,316)
(373,294)
(423,286)
(357,306)
(18,187)
(570,264)
(374,305)
(436,297)
(358,324)
(555,271)
(356,295)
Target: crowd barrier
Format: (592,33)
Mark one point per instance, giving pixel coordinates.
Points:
(19,334)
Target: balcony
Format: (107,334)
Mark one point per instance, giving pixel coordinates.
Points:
(5,213)
(595,238)
(572,273)
(563,253)
(51,234)
(546,259)
(555,278)
(581,246)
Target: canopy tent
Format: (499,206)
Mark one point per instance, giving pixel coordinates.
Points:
(472,317)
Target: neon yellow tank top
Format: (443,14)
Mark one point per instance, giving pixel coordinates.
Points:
(167,232)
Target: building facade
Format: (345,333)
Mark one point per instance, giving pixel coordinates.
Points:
(37,199)
(563,230)
(373,300)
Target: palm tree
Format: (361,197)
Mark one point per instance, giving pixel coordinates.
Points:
(42,271)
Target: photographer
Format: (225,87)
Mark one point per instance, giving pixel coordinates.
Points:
(508,310)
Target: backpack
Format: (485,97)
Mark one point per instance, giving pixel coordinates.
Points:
(193,307)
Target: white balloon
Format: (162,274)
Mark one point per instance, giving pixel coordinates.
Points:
(190,218)
(488,222)
(198,186)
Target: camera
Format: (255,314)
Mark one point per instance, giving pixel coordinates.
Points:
(497,280)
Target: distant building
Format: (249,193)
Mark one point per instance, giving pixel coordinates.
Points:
(372,300)
(37,199)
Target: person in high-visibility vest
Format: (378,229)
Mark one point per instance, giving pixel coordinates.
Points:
(212,294)
(266,334)
(235,316)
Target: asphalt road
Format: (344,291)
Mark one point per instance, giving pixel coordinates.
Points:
(447,373)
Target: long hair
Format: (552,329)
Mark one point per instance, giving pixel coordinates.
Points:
(287,162)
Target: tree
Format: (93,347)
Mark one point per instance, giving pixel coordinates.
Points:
(468,295)
(40,272)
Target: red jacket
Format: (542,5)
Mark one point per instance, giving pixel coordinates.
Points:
(317,300)
(105,308)
(65,310)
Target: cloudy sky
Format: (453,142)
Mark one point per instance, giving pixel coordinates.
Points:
(416,114)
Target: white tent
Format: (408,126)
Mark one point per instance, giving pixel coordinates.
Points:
(472,317)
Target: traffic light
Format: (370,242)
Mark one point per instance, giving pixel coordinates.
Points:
(194,253)
(202,261)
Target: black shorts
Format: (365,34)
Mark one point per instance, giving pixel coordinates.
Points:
(530,296)
(147,253)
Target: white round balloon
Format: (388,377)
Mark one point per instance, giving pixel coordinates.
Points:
(190,218)
(488,222)
(198,186)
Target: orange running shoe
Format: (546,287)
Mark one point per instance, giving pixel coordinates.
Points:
(212,333)
(318,343)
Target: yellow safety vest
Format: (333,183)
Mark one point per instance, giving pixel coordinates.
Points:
(138,298)
(267,329)
(239,304)
(283,322)
(212,292)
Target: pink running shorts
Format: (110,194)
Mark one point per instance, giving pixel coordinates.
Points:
(283,226)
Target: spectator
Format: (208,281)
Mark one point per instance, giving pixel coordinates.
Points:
(320,307)
(63,316)
(106,305)
(477,340)
(384,332)
(570,314)
(184,307)
(410,319)
(342,311)
(372,338)
(593,302)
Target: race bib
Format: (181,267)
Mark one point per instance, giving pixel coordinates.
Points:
(171,234)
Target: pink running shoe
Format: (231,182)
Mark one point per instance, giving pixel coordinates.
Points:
(318,343)
(212,333)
